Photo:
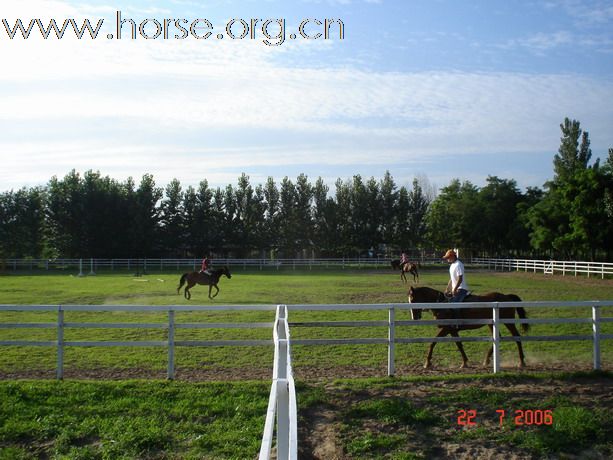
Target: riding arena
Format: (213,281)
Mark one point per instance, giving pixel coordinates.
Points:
(364,361)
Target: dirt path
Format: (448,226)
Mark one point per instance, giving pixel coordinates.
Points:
(323,427)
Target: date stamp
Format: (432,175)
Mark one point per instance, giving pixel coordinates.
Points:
(520,417)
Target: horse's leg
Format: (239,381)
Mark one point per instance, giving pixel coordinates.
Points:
(441,333)
(513,330)
(217,292)
(210,287)
(403,277)
(186,293)
(454,333)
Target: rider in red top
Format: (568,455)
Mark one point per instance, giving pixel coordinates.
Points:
(205,265)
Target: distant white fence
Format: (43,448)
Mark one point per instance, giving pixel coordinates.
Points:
(282,401)
(549,267)
(91,266)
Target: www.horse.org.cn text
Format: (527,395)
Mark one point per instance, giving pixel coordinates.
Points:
(271,32)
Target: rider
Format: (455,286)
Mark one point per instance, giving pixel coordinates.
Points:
(404,259)
(205,266)
(457,286)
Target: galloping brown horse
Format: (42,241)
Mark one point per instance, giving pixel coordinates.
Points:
(211,280)
(407,267)
(429,295)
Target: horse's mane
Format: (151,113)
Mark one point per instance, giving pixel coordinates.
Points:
(426,289)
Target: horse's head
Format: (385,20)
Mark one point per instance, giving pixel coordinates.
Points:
(226,272)
(415,312)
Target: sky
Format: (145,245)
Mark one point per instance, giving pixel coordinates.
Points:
(437,89)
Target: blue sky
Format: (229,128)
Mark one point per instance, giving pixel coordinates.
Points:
(440,89)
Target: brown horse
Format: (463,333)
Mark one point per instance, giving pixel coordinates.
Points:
(429,295)
(407,267)
(211,280)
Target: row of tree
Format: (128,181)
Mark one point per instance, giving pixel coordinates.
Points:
(91,215)
(96,216)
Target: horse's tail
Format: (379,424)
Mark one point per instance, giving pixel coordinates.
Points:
(182,281)
(521,312)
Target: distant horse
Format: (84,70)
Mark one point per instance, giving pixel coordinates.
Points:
(429,295)
(211,280)
(407,267)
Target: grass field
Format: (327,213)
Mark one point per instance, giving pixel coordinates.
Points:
(273,288)
(131,419)
(370,418)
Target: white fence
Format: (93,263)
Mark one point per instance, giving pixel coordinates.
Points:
(548,266)
(595,319)
(282,400)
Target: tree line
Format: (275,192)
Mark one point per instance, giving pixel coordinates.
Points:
(91,215)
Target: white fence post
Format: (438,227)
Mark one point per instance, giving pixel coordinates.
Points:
(496,337)
(91,266)
(282,388)
(596,332)
(81,267)
(171,345)
(391,336)
(60,343)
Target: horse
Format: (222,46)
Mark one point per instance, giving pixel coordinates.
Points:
(429,295)
(211,280)
(406,267)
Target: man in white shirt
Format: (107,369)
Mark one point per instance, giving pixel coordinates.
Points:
(457,286)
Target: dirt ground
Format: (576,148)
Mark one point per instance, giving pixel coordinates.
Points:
(322,427)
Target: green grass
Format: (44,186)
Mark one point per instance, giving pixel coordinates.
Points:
(291,287)
(131,419)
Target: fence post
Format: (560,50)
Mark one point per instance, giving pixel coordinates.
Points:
(391,337)
(171,344)
(282,387)
(60,343)
(596,332)
(91,266)
(80,267)
(496,337)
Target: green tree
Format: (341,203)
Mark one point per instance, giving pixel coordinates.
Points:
(402,220)
(271,214)
(569,221)
(418,207)
(144,228)
(324,220)
(453,219)
(21,223)
(65,213)
(172,220)
(389,196)
(498,201)
(303,213)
